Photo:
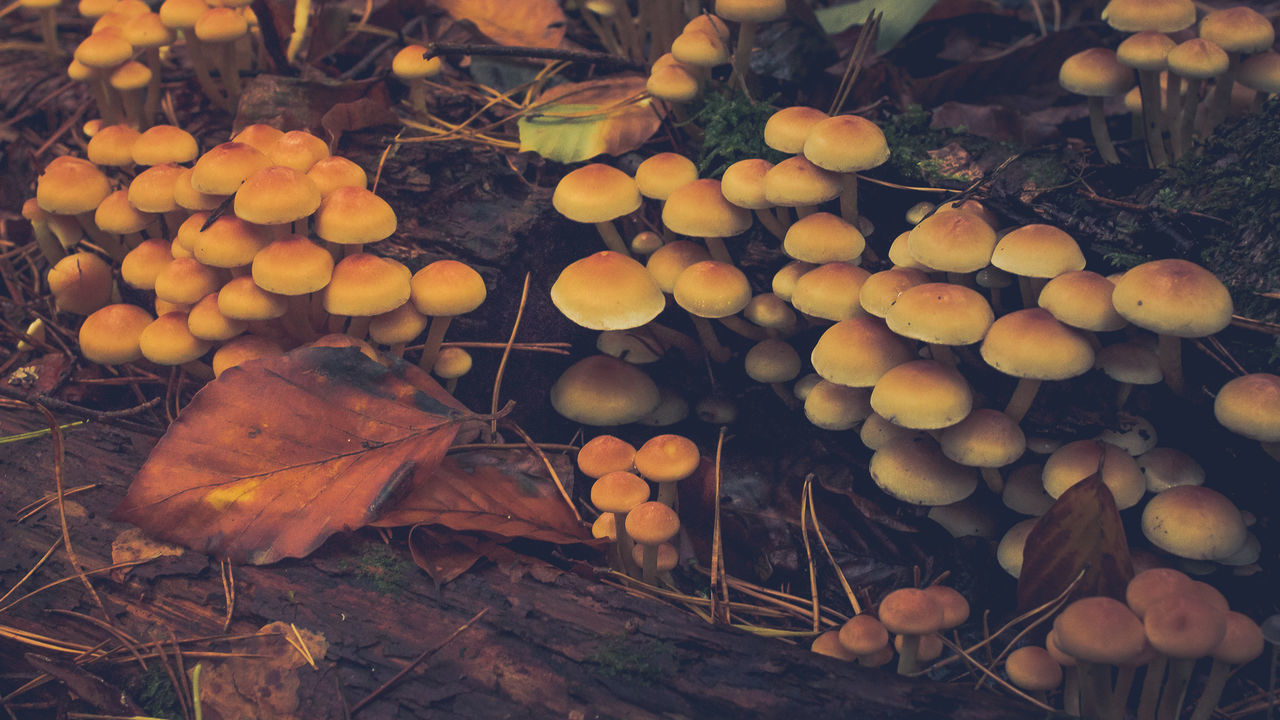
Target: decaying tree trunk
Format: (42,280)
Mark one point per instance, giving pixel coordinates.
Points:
(550,645)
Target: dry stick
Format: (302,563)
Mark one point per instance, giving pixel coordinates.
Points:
(961,653)
(808,551)
(866,36)
(844,582)
(417,661)
(59,581)
(126,640)
(59,455)
(436,49)
(48,553)
(227,573)
(506,353)
(719,587)
(555,476)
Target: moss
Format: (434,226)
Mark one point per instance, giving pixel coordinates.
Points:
(380,567)
(732,130)
(635,658)
(154,693)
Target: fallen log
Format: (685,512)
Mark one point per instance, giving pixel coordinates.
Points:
(549,644)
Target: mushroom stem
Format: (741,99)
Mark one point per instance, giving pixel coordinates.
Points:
(991,476)
(942,353)
(435,336)
(49,32)
(719,251)
(48,243)
(1114,709)
(771,223)
(359,326)
(1221,97)
(301,15)
(1151,683)
(707,336)
(230,71)
(1187,114)
(1020,401)
(105,240)
(1170,351)
(1071,691)
(849,197)
(418,96)
(670,337)
(1101,138)
(1173,113)
(743,328)
(1175,689)
(649,572)
(907,662)
(625,543)
(612,239)
(195,48)
(1122,394)
(1212,693)
(742,52)
(667,494)
(1149,86)
(151,105)
(1094,688)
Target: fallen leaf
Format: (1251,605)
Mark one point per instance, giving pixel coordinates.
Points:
(443,556)
(502,492)
(899,17)
(369,111)
(528,23)
(276,455)
(264,683)
(133,544)
(84,684)
(1081,531)
(576,121)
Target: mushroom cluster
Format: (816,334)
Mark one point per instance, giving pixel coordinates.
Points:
(1233,50)
(222,241)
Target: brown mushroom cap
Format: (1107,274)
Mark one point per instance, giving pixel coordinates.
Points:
(1184,627)
(858,351)
(923,395)
(603,390)
(910,611)
(604,454)
(1173,297)
(596,193)
(1192,521)
(1099,629)
(1249,405)
(915,471)
(1031,667)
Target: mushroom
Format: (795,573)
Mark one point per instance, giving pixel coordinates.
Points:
(1097,74)
(619,492)
(847,144)
(412,66)
(598,194)
(443,290)
(666,460)
(651,524)
(910,613)
(604,454)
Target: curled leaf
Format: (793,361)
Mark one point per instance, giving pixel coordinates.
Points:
(576,121)
(528,23)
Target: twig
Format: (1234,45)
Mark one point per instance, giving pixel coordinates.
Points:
(114,417)
(719,588)
(808,551)
(844,582)
(506,353)
(555,476)
(582,56)
(48,554)
(416,662)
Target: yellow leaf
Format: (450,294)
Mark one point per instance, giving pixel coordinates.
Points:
(526,23)
(577,121)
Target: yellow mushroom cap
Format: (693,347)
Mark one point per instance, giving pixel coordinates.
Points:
(743,183)
(863,634)
(1077,460)
(603,390)
(113,145)
(80,283)
(229,242)
(116,216)
(292,265)
(298,149)
(1198,58)
(1166,467)
(881,290)
(147,30)
(1249,405)
(185,281)
(259,136)
(846,143)
(410,63)
(1099,629)
(1260,72)
(674,83)
(168,341)
(770,311)
(596,193)
(1040,251)
(708,22)
(915,471)
(1184,627)
(877,432)
(910,611)
(276,195)
(1095,73)
(1173,297)
(242,349)
(659,176)
(354,216)
(941,313)
(105,48)
(652,523)
(1158,15)
(822,237)
(189,198)
(70,186)
(221,24)
(836,407)
(953,241)
(667,262)
(452,363)
(334,172)
(399,326)
(712,289)
(131,75)
(1024,492)
(619,491)
(1147,50)
(1148,586)
(1238,29)
(242,299)
(699,209)
(699,48)
(772,360)
(830,291)
(784,281)
(447,288)
(1031,667)
(154,190)
(607,291)
(1242,641)
(858,351)
(146,261)
(1030,343)
(109,335)
(667,458)
(206,321)
(986,438)
(1130,362)
(797,182)
(955,608)
(604,454)
(221,170)
(1081,299)
(365,285)
(787,129)
(1010,549)
(1192,521)
(922,395)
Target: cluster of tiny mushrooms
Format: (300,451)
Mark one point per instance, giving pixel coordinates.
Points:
(221,241)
